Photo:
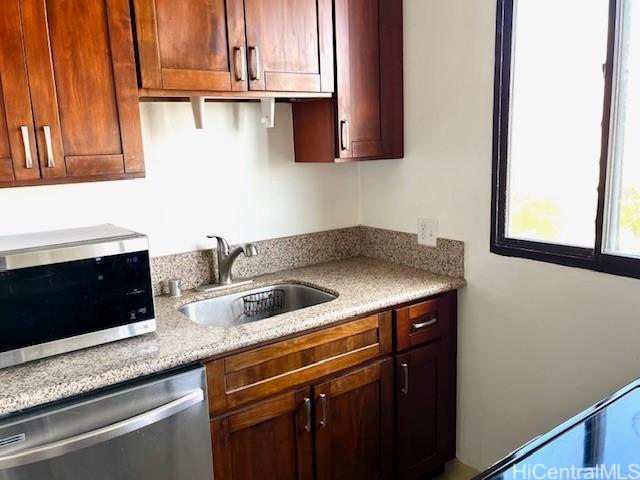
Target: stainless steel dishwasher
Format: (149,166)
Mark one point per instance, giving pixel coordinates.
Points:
(156,429)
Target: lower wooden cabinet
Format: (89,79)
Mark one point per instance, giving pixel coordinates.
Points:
(425,389)
(348,418)
(272,439)
(354,424)
(341,402)
(421,408)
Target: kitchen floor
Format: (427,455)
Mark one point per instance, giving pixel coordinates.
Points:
(456,470)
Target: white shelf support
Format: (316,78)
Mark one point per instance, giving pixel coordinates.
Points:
(197,106)
(268,118)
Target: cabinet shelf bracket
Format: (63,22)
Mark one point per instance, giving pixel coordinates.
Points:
(268,118)
(197,106)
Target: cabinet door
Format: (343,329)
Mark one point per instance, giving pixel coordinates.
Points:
(271,439)
(424,407)
(83,85)
(290,45)
(364,120)
(358,70)
(18,152)
(354,429)
(191,44)
(366,31)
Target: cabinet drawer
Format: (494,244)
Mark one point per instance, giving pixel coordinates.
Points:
(422,322)
(248,376)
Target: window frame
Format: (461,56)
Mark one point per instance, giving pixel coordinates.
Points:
(587,258)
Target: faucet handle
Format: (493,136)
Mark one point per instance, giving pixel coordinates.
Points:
(223,246)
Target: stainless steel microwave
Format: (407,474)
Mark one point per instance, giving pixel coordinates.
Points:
(71,289)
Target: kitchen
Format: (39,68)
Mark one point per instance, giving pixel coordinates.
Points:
(537,342)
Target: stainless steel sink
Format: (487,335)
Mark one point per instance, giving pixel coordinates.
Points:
(252,305)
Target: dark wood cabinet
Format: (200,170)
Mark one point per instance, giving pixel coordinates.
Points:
(354,424)
(270,439)
(349,419)
(246,377)
(290,45)
(421,424)
(425,393)
(364,119)
(191,44)
(370,398)
(83,120)
(235,46)
(18,152)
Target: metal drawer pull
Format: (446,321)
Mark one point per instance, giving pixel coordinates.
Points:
(323,402)
(307,406)
(115,430)
(255,73)
(28,163)
(405,373)
(241,65)
(51,161)
(429,323)
(344,135)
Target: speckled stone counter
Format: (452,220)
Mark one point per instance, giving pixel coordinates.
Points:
(363,285)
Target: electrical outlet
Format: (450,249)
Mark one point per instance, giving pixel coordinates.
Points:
(428,232)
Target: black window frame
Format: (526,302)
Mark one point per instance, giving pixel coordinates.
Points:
(587,258)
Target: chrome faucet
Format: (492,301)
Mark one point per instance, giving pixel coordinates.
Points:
(226,257)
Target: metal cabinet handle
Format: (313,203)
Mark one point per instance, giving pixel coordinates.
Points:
(344,135)
(429,323)
(323,402)
(307,407)
(51,161)
(405,375)
(241,65)
(256,67)
(84,440)
(28,163)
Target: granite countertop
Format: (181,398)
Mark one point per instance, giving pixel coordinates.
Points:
(363,285)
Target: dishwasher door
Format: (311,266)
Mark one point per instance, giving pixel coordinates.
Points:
(157,429)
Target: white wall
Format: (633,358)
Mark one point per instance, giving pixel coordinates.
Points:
(235,178)
(538,342)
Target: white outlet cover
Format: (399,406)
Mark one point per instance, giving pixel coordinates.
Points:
(428,230)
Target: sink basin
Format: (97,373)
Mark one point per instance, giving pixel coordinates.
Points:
(252,305)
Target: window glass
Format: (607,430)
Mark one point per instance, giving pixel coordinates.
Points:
(623,234)
(557,96)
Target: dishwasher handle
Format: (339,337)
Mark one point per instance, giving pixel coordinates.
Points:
(103,434)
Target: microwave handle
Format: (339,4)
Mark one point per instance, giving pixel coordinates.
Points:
(84,440)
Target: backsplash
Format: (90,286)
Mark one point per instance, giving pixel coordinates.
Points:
(196,268)
(400,247)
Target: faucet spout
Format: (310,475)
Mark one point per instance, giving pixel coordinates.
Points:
(227,256)
(250,250)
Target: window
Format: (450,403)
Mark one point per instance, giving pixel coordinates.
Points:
(566,174)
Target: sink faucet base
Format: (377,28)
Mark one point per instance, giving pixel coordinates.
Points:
(218,286)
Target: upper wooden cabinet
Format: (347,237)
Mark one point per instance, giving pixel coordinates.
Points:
(191,44)
(18,153)
(75,116)
(235,46)
(290,45)
(364,119)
